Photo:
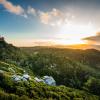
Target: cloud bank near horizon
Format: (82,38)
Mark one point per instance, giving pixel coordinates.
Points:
(94,39)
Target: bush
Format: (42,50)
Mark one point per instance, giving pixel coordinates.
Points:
(93,85)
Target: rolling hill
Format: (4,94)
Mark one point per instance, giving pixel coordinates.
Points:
(76,72)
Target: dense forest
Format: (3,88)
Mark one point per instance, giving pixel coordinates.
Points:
(76,72)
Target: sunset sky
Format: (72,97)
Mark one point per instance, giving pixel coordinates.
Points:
(50,22)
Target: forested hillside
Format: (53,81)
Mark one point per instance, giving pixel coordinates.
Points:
(76,72)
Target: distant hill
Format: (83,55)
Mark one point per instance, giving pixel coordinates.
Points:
(89,57)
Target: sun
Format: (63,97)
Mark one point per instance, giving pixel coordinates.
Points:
(72,34)
(70,42)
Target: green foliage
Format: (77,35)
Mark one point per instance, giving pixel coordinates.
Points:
(39,91)
(6,96)
(93,85)
(77,70)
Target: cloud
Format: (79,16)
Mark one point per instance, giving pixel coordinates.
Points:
(44,17)
(54,17)
(15,9)
(56,13)
(1,1)
(93,39)
(31,11)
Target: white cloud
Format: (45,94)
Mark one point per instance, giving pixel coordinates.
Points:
(54,17)
(31,11)
(15,9)
(56,12)
(45,17)
(1,1)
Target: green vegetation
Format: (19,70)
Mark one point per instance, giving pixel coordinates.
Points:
(77,73)
(38,91)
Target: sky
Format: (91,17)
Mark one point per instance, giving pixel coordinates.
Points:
(50,22)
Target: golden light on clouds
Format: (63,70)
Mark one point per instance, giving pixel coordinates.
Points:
(12,8)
